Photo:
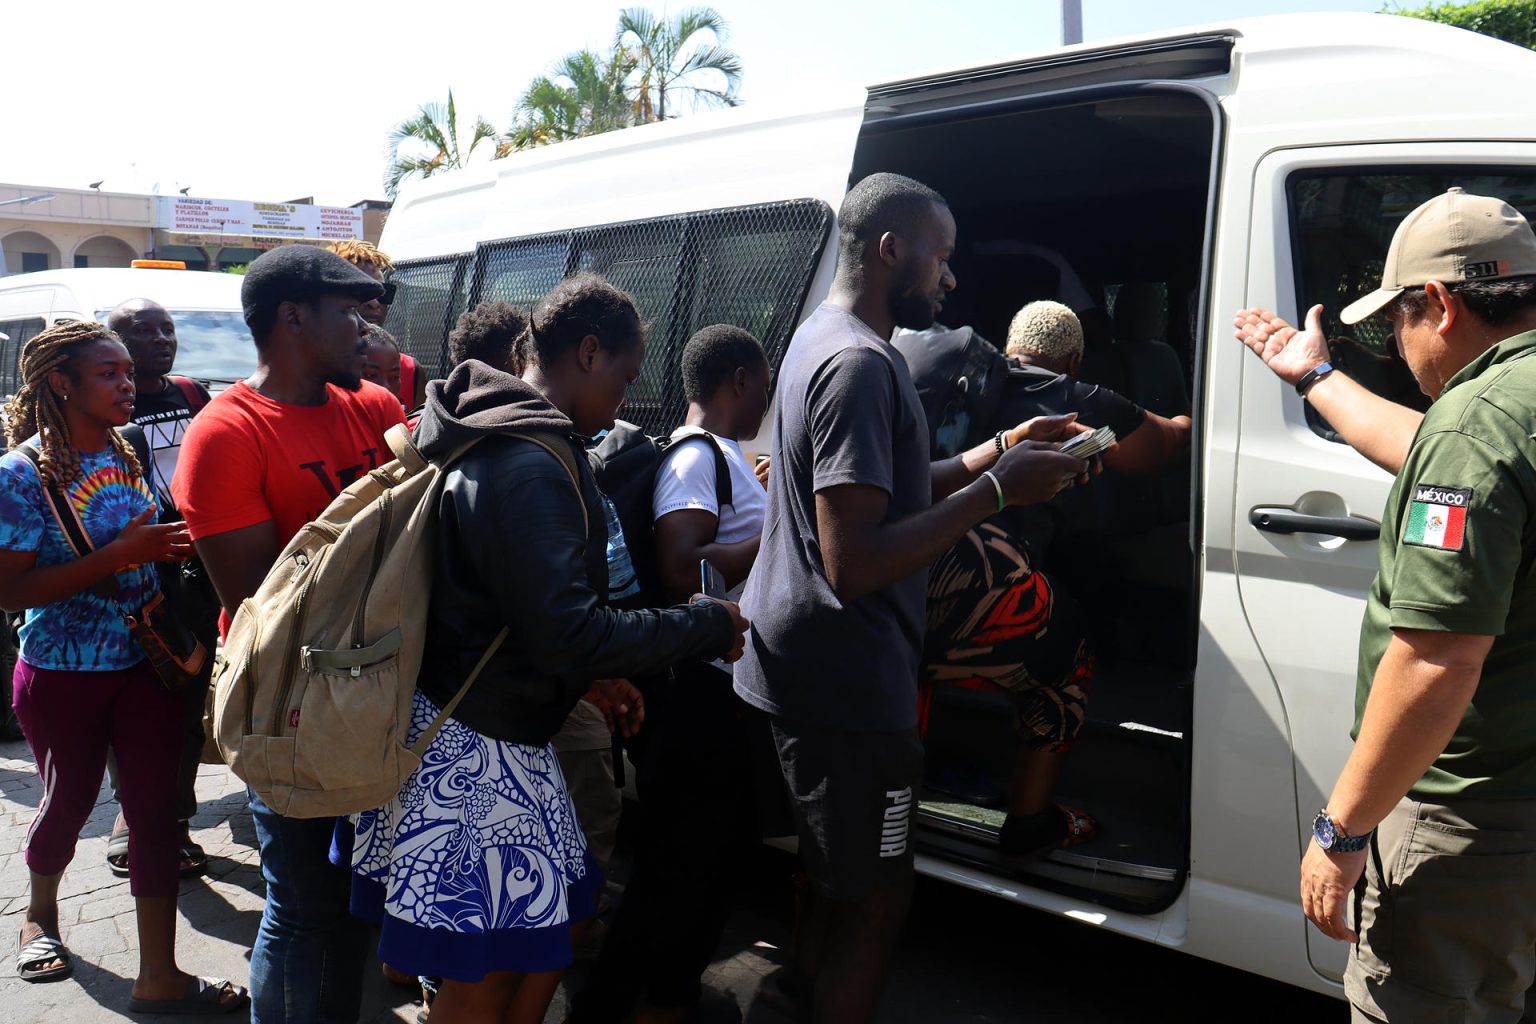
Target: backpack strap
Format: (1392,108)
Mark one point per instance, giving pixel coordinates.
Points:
(69,523)
(722,467)
(196,397)
(560,450)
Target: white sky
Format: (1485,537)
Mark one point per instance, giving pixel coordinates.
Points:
(277,99)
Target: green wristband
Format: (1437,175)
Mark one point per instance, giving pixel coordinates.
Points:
(997,485)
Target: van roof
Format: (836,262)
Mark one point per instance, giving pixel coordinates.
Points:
(1311,79)
(104,287)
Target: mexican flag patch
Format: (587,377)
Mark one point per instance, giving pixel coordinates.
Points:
(1437,516)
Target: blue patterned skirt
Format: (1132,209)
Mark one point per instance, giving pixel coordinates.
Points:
(479,864)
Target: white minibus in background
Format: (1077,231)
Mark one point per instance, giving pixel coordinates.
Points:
(213,343)
(1158,185)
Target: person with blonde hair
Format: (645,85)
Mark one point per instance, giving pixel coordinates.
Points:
(1047,331)
(410,384)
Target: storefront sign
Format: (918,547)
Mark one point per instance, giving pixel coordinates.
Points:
(238,221)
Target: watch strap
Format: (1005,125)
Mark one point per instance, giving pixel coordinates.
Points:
(1312,376)
(1351,844)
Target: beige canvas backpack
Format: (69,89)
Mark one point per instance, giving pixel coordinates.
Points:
(313,697)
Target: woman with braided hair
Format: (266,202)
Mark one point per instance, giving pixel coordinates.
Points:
(82,684)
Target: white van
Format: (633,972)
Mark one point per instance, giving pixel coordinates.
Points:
(213,343)
(1158,184)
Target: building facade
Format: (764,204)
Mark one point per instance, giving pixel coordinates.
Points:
(45,228)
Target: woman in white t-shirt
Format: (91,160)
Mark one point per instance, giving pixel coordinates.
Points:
(693,758)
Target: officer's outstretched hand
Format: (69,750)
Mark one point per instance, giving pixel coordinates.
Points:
(1032,472)
(1285,350)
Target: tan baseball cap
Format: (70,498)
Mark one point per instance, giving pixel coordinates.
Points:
(1453,237)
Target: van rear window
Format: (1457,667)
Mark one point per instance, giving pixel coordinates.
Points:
(750,266)
(1341,225)
(211,344)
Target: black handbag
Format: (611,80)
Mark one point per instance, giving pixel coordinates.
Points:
(173,650)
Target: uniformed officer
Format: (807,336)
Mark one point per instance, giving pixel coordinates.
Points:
(1436,807)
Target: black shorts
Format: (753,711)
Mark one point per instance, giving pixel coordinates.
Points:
(854,794)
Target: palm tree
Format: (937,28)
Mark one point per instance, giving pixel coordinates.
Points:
(669,59)
(436,128)
(582,95)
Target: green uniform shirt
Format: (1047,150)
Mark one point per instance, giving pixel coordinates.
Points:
(1458,542)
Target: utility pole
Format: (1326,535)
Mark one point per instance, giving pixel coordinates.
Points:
(1071,22)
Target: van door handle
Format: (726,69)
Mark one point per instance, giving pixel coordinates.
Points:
(1288,520)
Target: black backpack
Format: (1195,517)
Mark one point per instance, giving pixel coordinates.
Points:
(959,377)
(628,459)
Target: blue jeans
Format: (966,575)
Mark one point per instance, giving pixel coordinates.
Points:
(307,963)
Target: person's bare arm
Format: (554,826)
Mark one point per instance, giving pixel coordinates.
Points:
(863,551)
(1151,448)
(1379,429)
(949,475)
(1419,693)
(238,560)
(684,537)
(25,584)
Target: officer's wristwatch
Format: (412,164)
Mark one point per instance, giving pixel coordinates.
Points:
(1332,838)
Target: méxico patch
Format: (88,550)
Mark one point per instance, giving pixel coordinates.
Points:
(1437,517)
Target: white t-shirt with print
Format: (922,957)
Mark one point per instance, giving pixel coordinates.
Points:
(686,479)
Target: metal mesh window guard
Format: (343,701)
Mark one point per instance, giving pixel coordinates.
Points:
(430,294)
(750,266)
(19,332)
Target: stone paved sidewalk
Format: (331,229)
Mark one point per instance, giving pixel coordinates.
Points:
(218,914)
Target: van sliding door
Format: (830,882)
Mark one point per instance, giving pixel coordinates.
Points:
(1307,505)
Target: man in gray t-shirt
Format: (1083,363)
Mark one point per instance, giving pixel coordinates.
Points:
(855,514)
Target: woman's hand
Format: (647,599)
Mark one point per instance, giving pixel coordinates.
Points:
(621,704)
(143,541)
(761,467)
(1046,428)
(737,619)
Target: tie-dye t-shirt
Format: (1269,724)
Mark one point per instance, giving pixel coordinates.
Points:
(83,633)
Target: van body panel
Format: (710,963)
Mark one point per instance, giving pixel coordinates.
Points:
(1278,614)
(1304,594)
(707,161)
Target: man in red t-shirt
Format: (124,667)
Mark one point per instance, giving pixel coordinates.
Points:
(261,460)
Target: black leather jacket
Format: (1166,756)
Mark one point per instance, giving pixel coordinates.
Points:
(511,551)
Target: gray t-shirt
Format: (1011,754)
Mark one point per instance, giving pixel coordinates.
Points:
(847,414)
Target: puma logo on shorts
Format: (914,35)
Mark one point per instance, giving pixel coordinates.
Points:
(898,820)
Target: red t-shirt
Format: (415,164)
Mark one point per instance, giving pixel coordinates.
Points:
(246,459)
(409,368)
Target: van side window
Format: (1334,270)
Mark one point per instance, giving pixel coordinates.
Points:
(750,266)
(1341,224)
(429,296)
(20,332)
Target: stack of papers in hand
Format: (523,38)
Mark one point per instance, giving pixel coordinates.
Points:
(1085,446)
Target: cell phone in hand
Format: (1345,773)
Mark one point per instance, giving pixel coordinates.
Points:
(711,583)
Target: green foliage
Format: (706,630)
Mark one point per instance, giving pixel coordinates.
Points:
(238,269)
(432,137)
(582,95)
(686,55)
(1513,21)
(654,67)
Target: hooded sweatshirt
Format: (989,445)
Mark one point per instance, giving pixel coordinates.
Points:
(513,550)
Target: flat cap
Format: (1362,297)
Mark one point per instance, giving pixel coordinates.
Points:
(298,273)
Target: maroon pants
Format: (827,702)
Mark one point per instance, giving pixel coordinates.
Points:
(70,720)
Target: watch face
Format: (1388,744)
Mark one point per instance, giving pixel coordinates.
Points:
(1323,831)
